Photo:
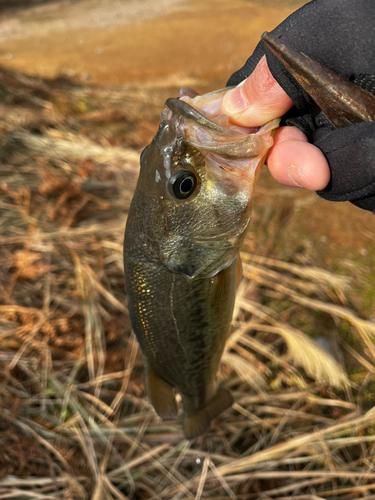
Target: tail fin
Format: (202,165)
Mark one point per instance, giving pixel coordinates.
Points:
(199,422)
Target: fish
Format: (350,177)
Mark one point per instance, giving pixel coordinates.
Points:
(188,218)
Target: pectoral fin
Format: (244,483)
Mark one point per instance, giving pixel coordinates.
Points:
(197,423)
(161,394)
(193,258)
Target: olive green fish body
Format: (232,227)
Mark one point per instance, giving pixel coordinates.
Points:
(181,325)
(187,220)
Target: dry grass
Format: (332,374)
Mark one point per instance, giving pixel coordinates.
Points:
(74,421)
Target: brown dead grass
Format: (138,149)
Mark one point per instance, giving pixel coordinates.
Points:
(74,419)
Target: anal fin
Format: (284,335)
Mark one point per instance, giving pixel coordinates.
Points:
(161,394)
(198,423)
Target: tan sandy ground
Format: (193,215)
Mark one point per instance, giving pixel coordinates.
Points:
(117,41)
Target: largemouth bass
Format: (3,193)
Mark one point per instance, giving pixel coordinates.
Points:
(188,218)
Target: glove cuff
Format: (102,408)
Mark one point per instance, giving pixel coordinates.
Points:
(351,155)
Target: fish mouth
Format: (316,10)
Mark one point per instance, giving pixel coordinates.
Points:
(343,102)
(210,137)
(183,109)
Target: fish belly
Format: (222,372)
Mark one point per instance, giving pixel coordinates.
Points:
(181,325)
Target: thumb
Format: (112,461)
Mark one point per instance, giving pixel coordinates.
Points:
(257,100)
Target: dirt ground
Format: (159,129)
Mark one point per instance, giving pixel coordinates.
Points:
(125,40)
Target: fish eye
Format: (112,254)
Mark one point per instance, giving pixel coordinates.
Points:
(183,184)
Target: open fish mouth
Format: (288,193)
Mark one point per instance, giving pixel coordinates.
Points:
(211,136)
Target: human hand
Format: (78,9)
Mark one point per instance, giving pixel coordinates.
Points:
(292,161)
(342,39)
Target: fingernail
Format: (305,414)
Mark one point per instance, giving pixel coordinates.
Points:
(234,101)
(295,176)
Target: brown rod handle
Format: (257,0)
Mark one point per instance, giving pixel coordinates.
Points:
(343,102)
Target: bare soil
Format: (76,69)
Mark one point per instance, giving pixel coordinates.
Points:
(118,41)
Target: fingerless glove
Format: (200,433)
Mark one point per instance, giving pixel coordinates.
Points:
(340,34)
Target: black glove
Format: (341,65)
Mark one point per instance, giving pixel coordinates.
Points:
(340,34)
